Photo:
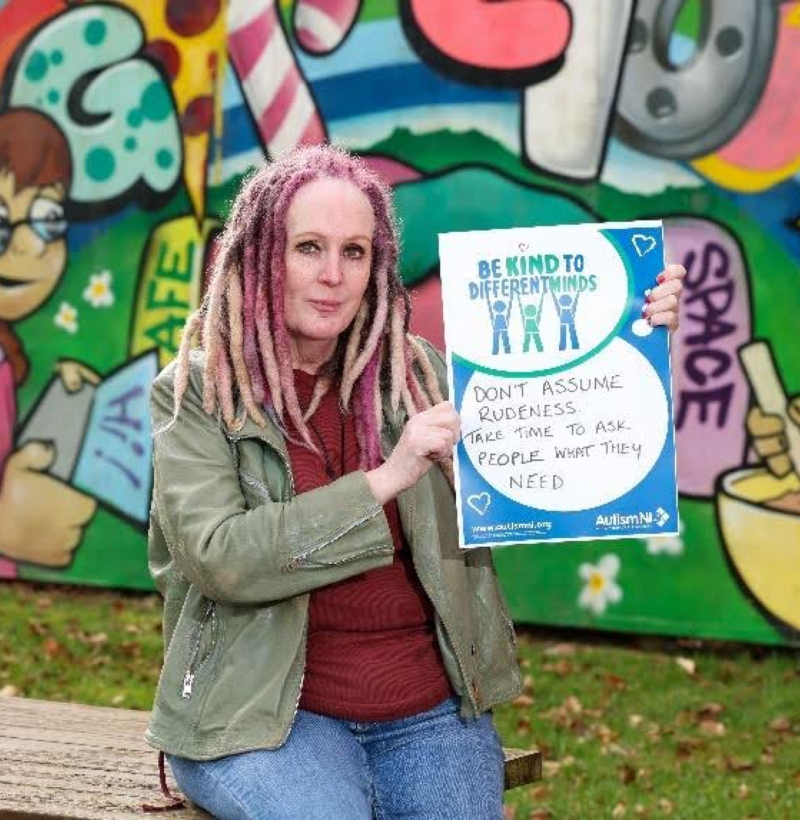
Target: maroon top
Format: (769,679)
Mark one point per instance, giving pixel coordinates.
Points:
(372,651)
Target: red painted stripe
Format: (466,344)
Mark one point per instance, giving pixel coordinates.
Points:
(341,11)
(247,43)
(274,114)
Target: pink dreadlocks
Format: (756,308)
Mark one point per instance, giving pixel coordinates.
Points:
(241,320)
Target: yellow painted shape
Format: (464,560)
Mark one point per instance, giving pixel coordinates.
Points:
(743,179)
(170,284)
(195,79)
(763,543)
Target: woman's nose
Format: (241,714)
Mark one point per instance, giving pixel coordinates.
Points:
(331,272)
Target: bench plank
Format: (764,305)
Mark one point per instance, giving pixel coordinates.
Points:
(66,761)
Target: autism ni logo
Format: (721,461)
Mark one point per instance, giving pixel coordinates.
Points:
(617,521)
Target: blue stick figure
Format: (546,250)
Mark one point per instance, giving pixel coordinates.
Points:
(567,306)
(500,313)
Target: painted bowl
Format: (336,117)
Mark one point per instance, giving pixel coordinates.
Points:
(763,542)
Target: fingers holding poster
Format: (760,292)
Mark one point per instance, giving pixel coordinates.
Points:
(562,387)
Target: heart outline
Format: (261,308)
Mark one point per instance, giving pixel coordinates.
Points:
(480,502)
(641,239)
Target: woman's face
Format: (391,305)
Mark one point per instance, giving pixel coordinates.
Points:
(329,227)
(33,249)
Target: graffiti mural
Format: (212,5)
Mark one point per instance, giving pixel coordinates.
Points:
(127,126)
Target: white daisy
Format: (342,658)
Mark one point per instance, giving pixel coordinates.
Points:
(600,586)
(666,544)
(98,292)
(67,318)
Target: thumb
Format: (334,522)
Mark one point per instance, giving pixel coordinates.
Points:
(35,455)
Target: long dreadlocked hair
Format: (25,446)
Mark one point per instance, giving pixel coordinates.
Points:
(241,324)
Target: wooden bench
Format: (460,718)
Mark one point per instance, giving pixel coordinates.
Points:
(74,762)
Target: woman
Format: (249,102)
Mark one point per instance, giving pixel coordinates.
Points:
(331,653)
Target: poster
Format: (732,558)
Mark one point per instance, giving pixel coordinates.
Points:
(563,388)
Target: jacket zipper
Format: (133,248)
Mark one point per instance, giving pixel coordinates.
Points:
(191,669)
(288,468)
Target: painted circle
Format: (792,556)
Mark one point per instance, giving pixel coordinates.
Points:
(56,56)
(156,102)
(729,40)
(130,143)
(589,480)
(199,116)
(165,53)
(164,158)
(53,96)
(188,18)
(95,32)
(36,68)
(135,118)
(100,164)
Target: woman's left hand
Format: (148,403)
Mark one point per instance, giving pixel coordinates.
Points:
(663,301)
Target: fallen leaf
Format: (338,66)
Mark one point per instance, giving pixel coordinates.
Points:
(562,668)
(619,810)
(550,768)
(666,806)
(743,792)
(98,639)
(560,649)
(9,691)
(712,728)
(572,704)
(509,813)
(523,701)
(541,814)
(51,647)
(688,665)
(781,724)
(710,710)
(117,699)
(627,774)
(634,721)
(739,764)
(540,792)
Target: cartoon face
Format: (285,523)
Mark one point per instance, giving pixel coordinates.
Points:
(33,247)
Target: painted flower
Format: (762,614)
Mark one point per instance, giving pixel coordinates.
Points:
(67,318)
(98,292)
(600,585)
(666,544)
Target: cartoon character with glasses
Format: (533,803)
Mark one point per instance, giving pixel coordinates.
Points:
(35,175)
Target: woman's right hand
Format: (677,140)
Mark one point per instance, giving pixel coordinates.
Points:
(427,437)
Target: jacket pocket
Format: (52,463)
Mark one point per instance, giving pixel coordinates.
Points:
(201,647)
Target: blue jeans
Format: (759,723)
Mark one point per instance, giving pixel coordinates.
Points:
(432,766)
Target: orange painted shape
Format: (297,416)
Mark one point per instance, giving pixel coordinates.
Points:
(766,150)
(501,34)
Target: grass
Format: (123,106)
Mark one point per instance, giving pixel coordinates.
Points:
(629,727)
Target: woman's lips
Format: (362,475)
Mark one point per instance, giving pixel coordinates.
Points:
(325,306)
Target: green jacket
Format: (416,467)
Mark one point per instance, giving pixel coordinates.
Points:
(235,555)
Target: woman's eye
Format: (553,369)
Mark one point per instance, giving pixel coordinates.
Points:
(309,246)
(354,252)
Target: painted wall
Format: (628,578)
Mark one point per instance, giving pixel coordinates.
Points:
(126,127)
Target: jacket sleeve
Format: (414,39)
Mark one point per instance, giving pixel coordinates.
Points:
(248,556)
